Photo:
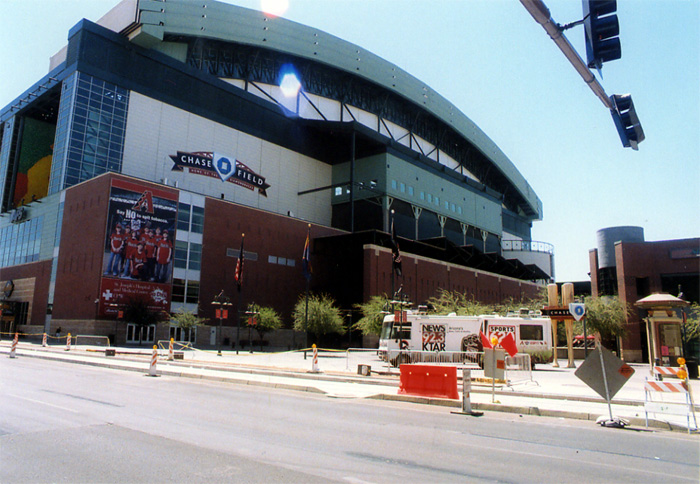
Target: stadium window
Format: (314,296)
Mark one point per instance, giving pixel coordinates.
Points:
(430,198)
(197,219)
(272,259)
(393,184)
(180,256)
(178,290)
(437,201)
(410,190)
(195,257)
(422,195)
(402,187)
(192,292)
(183,216)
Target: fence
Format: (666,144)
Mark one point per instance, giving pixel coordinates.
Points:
(470,359)
(518,369)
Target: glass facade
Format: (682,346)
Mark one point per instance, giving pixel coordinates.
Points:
(90,136)
(20,243)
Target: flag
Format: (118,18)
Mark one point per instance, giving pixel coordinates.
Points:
(305,263)
(508,344)
(239,266)
(485,341)
(395,253)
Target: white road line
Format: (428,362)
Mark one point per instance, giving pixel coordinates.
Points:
(44,403)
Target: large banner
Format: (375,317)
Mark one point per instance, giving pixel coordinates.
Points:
(139,247)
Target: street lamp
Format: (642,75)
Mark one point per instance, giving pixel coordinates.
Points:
(251,322)
(221,302)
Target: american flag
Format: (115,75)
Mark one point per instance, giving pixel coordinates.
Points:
(239,266)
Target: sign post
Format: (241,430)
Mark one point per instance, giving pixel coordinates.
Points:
(605,374)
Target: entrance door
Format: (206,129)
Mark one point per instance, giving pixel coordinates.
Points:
(136,334)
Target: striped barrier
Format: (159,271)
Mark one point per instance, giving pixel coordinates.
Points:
(666,371)
(43,341)
(171,355)
(154,361)
(314,361)
(68,343)
(666,386)
(15,340)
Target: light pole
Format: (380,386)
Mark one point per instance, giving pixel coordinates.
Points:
(251,322)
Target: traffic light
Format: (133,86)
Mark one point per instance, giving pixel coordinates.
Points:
(602,30)
(626,120)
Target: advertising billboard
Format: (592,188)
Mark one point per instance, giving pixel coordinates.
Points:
(138,248)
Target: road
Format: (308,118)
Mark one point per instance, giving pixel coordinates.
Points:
(72,423)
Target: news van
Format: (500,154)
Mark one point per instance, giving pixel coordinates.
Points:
(409,336)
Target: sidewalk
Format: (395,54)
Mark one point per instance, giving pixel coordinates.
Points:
(553,392)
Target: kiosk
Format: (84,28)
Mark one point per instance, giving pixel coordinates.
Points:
(663,323)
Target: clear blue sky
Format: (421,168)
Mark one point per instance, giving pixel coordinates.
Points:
(491,60)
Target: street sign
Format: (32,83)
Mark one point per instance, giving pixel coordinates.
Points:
(617,372)
(577,310)
(557,312)
(494,363)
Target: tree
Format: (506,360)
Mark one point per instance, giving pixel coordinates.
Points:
(448,302)
(323,316)
(691,331)
(186,320)
(373,312)
(606,316)
(266,320)
(136,311)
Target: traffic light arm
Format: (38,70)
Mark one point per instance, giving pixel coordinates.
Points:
(540,13)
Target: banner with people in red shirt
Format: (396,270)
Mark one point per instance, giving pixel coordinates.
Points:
(139,243)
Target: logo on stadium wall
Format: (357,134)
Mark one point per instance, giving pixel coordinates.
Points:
(220,166)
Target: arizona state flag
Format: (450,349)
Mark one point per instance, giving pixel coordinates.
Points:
(395,253)
(305,262)
(239,266)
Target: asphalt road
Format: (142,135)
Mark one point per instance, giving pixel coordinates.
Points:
(71,423)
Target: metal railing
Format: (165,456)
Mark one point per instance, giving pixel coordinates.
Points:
(473,359)
(518,369)
(527,246)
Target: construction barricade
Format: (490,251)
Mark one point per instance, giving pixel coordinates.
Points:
(429,381)
(518,369)
(669,397)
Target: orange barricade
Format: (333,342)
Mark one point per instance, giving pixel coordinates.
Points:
(429,381)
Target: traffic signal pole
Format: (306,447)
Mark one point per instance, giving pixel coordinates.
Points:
(540,13)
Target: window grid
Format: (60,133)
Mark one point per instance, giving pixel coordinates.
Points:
(96,142)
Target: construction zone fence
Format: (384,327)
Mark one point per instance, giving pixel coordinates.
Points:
(518,369)
(469,359)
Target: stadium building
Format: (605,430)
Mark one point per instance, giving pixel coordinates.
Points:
(169,129)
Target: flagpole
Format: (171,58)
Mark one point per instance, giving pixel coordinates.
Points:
(307,255)
(393,272)
(239,281)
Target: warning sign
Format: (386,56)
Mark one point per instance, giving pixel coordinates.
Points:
(617,372)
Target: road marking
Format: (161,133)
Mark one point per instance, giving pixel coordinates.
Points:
(45,403)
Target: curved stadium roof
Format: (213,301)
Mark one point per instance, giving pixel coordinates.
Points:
(340,70)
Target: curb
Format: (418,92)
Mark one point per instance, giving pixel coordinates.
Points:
(521,410)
